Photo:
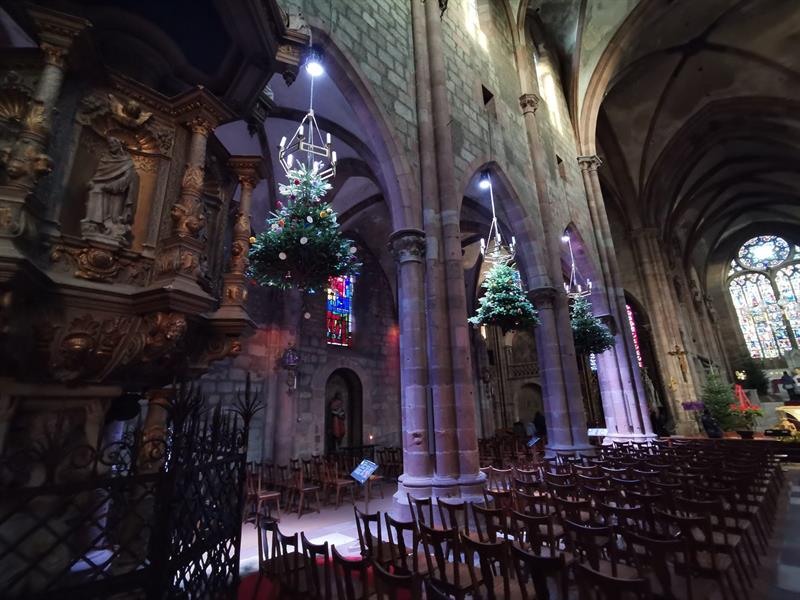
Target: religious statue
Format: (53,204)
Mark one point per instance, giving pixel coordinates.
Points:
(697,296)
(338,419)
(684,364)
(712,311)
(112,195)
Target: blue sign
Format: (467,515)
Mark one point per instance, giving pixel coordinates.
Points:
(533,441)
(364,471)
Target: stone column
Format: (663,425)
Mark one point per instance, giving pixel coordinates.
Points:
(626,386)
(440,376)
(556,348)
(408,248)
(286,409)
(556,405)
(666,334)
(27,160)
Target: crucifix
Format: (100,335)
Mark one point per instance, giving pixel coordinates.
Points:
(681,356)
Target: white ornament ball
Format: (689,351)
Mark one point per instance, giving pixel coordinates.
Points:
(310,219)
(303,240)
(353,250)
(307,315)
(282,255)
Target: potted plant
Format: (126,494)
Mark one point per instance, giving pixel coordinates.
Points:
(746,416)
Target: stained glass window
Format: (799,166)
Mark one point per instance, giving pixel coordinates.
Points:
(764,286)
(635,335)
(340,311)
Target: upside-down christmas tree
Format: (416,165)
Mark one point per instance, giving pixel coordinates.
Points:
(302,246)
(504,304)
(591,336)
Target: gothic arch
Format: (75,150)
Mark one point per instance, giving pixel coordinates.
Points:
(390,165)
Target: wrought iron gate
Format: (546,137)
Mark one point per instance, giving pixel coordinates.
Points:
(154,514)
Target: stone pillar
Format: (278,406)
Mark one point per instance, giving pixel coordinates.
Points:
(664,324)
(440,376)
(408,248)
(27,160)
(286,409)
(625,387)
(470,479)
(556,348)
(556,404)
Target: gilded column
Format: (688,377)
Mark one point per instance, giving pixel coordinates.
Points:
(27,160)
(631,390)
(408,248)
(561,387)
(247,169)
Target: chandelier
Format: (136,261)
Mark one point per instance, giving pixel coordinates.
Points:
(573,288)
(494,250)
(308,137)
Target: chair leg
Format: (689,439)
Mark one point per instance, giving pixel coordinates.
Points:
(319,506)
(300,505)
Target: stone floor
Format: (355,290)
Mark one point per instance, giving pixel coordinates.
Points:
(778,578)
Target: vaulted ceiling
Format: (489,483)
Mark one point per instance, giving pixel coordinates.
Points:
(699,128)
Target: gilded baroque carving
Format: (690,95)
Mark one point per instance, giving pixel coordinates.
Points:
(99,264)
(179,259)
(87,346)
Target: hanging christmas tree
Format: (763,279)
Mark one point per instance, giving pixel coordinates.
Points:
(504,304)
(590,334)
(302,246)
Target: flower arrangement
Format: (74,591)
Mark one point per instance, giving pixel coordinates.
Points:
(747,415)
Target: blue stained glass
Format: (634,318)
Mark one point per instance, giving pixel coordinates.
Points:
(763,252)
(340,311)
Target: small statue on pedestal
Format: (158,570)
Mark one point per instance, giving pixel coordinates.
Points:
(112,196)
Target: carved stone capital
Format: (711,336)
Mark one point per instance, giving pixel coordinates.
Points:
(589,163)
(248,169)
(407,245)
(529,103)
(56,32)
(200,125)
(543,297)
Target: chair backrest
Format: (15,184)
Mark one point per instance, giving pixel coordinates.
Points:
(437,545)
(418,506)
(493,562)
(623,516)
(435,590)
(267,543)
(288,561)
(497,498)
(535,532)
(593,585)
(591,543)
(453,514)
(656,554)
(396,533)
(537,569)
(370,544)
(351,576)
(318,568)
(489,522)
(394,586)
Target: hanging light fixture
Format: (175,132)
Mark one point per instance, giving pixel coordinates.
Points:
(493,249)
(308,137)
(573,288)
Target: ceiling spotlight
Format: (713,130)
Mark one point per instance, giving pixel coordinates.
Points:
(485,182)
(314,64)
(565,238)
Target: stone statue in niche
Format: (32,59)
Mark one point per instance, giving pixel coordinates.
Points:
(112,196)
(697,296)
(338,420)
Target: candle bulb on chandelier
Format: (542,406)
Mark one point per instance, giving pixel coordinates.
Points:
(333,157)
(300,131)
(283,142)
(289,160)
(328,139)
(483,246)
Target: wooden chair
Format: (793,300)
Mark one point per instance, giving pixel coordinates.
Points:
(289,563)
(396,532)
(396,586)
(258,497)
(334,483)
(372,545)
(267,542)
(597,546)
(455,515)
(594,585)
(494,579)
(418,508)
(535,569)
(435,590)
(318,569)
(489,522)
(536,533)
(454,576)
(298,491)
(351,576)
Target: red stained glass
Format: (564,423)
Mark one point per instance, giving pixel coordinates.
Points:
(340,311)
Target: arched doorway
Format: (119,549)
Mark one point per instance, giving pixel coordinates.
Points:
(529,401)
(343,411)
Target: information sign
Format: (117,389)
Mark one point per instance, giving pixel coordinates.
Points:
(364,471)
